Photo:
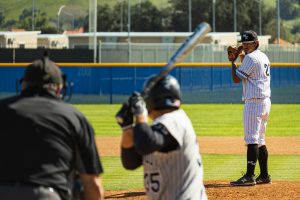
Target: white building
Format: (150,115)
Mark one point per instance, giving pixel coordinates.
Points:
(53,41)
(20,39)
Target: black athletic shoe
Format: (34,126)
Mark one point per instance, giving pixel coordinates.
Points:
(244,181)
(261,180)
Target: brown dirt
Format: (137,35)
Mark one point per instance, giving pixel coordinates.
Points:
(221,190)
(110,146)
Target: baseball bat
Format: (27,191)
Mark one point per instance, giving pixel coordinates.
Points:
(187,46)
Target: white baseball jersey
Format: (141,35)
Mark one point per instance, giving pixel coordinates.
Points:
(255,75)
(175,175)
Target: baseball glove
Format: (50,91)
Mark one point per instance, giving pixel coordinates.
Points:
(233,52)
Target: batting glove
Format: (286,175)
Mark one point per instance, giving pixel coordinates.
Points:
(138,105)
(124,117)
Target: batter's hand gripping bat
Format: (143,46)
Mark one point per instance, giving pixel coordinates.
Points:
(187,46)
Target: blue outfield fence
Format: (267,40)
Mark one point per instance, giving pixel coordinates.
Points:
(200,82)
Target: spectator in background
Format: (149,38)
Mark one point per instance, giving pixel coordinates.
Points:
(44,141)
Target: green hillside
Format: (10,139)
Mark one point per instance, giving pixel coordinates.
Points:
(13,8)
(270,3)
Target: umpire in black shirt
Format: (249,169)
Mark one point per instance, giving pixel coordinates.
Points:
(43,141)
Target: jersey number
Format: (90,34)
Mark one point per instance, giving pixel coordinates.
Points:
(267,68)
(152,182)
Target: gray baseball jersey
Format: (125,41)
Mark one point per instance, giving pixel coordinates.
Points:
(255,75)
(177,174)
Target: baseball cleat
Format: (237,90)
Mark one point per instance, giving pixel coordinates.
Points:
(261,180)
(244,181)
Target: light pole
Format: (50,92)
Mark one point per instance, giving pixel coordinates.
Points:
(58,14)
(260,30)
(278,21)
(129,20)
(121,15)
(95,29)
(33,10)
(214,15)
(234,14)
(190,16)
(129,25)
(259,13)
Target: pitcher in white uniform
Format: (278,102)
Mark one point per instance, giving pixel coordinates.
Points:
(254,73)
(167,149)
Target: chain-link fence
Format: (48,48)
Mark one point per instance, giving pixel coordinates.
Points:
(160,53)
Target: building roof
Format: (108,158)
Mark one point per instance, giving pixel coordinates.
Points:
(147,34)
(281,41)
(52,36)
(7,33)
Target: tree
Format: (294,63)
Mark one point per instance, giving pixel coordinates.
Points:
(41,21)
(296,28)
(247,16)
(120,13)
(289,9)
(25,20)
(166,19)
(81,21)
(180,13)
(49,30)
(10,24)
(2,19)
(105,18)
(146,17)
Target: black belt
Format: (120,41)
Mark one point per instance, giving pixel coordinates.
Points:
(26,185)
(18,184)
(62,194)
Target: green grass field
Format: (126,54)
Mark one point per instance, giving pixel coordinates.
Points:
(208,120)
(216,167)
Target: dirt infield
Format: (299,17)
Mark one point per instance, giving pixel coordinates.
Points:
(221,190)
(110,146)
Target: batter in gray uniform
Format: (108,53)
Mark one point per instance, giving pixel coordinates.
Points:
(168,149)
(254,73)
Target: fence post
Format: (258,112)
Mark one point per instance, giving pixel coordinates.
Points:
(100,51)
(129,51)
(111,86)
(14,55)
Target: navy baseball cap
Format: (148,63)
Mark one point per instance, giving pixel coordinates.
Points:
(43,71)
(248,37)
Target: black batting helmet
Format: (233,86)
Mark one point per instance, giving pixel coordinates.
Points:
(165,93)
